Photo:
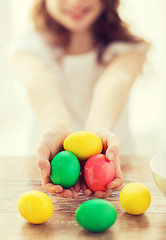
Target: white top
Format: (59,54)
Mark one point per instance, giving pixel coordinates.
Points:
(77,75)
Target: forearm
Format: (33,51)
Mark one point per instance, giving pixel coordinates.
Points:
(108,102)
(112,90)
(45,97)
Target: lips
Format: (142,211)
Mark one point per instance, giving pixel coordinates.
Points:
(78,14)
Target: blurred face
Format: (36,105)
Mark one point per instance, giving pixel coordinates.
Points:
(75,15)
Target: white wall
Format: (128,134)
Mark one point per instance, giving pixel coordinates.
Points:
(147,101)
(14,108)
(148,111)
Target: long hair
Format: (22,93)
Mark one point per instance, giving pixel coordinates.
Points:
(108,28)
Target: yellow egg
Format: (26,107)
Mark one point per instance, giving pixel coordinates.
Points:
(83,144)
(35,206)
(135,198)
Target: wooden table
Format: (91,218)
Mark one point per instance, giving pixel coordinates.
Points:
(20,174)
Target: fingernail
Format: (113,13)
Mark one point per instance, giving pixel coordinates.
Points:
(111,156)
(59,189)
(44,172)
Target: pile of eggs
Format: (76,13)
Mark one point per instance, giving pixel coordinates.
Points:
(82,146)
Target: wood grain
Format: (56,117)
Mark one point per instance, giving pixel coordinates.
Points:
(18,175)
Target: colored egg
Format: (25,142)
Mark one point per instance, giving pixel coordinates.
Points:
(35,206)
(135,198)
(96,215)
(83,144)
(65,169)
(98,172)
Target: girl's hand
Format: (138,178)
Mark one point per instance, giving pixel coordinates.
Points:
(81,185)
(111,150)
(51,143)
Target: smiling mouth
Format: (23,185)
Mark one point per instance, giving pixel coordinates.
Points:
(76,15)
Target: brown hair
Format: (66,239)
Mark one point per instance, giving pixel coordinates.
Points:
(108,28)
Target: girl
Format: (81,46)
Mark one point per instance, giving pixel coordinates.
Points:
(78,62)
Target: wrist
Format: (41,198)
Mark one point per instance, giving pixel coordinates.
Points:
(99,123)
(60,129)
(97,127)
(56,123)
(100,131)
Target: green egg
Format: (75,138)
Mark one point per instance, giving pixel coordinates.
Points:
(65,169)
(96,215)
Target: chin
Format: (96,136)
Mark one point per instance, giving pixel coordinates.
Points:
(76,28)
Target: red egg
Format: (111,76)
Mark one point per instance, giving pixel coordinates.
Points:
(98,172)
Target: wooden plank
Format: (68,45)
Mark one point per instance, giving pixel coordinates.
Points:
(18,175)
(19,168)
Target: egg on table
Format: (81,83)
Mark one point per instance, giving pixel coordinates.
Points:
(96,215)
(135,198)
(35,206)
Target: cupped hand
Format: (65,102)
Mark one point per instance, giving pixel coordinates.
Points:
(111,150)
(81,185)
(50,144)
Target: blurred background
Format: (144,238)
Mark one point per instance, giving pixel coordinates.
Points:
(147,100)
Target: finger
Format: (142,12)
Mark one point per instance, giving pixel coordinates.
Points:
(65,194)
(77,186)
(107,193)
(87,192)
(83,186)
(117,182)
(43,155)
(45,178)
(45,170)
(51,188)
(98,194)
(46,181)
(101,194)
(116,163)
(113,147)
(74,193)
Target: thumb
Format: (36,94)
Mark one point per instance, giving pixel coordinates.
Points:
(43,162)
(45,168)
(110,155)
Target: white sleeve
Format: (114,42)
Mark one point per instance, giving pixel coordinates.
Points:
(118,48)
(30,41)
